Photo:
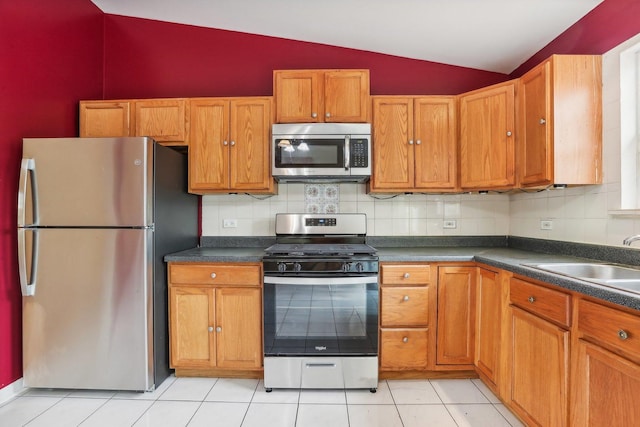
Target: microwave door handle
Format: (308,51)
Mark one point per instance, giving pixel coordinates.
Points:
(347,152)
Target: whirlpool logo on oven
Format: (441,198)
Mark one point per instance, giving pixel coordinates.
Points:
(321,347)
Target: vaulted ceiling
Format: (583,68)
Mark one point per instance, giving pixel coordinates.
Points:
(492,35)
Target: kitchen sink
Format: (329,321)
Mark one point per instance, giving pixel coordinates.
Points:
(612,275)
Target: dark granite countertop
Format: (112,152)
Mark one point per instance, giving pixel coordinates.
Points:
(514,255)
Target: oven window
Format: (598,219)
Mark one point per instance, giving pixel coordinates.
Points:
(309,153)
(321,319)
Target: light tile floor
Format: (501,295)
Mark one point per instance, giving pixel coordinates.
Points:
(223,402)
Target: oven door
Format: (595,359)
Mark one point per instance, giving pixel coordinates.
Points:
(321,316)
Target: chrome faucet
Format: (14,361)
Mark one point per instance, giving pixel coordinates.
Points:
(630,239)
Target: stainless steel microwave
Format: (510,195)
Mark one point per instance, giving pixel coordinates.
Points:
(330,152)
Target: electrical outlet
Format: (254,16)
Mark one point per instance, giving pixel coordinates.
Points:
(449,223)
(546,224)
(230,223)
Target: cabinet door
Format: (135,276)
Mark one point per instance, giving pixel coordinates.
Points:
(393,163)
(191,325)
(456,315)
(539,369)
(488,320)
(535,150)
(606,389)
(250,127)
(238,327)
(163,119)
(346,96)
(435,143)
(298,96)
(486,138)
(104,118)
(209,148)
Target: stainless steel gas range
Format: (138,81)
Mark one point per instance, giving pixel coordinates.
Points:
(321,304)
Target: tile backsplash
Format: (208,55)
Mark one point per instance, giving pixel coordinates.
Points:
(402,215)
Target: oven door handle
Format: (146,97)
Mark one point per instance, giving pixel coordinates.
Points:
(320,281)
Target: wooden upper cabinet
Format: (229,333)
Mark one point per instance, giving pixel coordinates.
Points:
(487,140)
(560,122)
(392,134)
(105,118)
(312,96)
(346,96)
(414,144)
(165,120)
(229,150)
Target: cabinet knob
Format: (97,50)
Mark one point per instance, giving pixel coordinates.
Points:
(418,142)
(411,142)
(314,115)
(405,298)
(219,329)
(327,115)
(531,299)
(622,334)
(210,328)
(542,121)
(406,275)
(213,275)
(225,143)
(233,143)
(509,133)
(405,339)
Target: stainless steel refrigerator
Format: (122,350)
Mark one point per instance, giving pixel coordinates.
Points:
(95,218)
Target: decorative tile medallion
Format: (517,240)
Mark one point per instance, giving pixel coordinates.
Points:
(321,198)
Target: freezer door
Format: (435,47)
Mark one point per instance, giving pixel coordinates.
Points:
(88,325)
(94,182)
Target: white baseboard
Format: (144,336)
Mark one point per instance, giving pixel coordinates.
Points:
(12,390)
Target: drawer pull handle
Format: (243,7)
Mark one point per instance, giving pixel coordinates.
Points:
(405,298)
(405,339)
(622,334)
(213,275)
(531,299)
(406,275)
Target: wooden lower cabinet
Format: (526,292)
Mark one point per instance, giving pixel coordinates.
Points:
(488,326)
(456,316)
(606,374)
(407,317)
(215,318)
(539,370)
(538,362)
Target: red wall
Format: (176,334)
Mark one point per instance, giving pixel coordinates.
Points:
(605,27)
(50,56)
(146,58)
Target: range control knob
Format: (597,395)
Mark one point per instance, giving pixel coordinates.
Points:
(346,267)
(359,267)
(282,267)
(297,267)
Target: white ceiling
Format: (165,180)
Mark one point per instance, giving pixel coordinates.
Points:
(492,35)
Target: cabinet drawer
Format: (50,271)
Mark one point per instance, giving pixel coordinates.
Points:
(216,274)
(544,302)
(405,274)
(610,326)
(403,348)
(400,306)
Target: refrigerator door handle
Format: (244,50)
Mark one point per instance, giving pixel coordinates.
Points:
(28,287)
(27,169)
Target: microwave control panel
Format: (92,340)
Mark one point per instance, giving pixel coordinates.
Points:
(359,153)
